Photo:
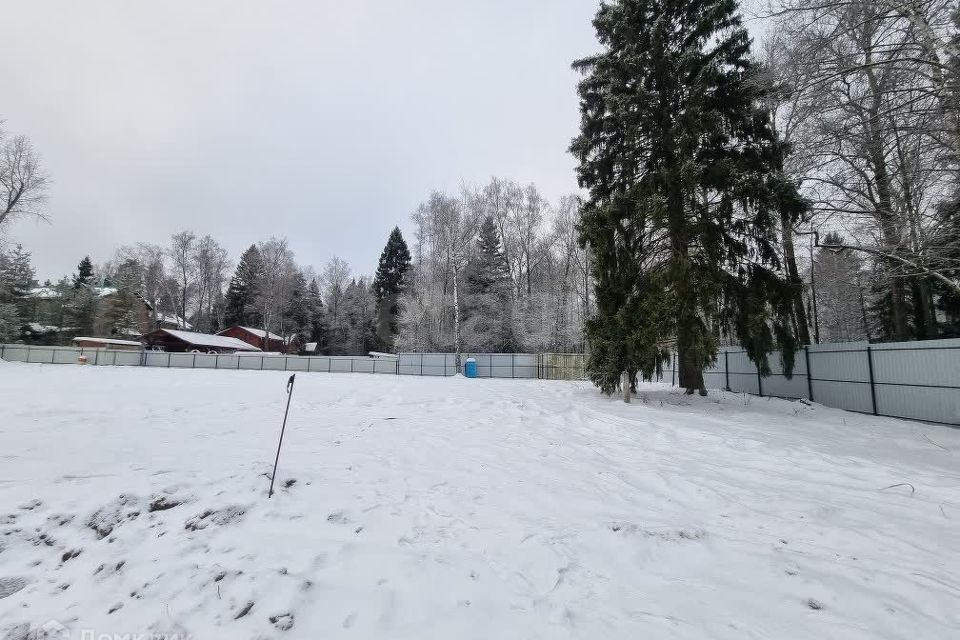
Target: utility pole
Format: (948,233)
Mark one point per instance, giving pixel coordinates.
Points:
(813,294)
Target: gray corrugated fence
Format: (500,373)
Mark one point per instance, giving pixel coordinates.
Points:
(489,365)
(918,380)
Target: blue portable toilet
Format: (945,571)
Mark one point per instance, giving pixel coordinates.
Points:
(470,368)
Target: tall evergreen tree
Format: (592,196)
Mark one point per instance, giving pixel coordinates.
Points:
(241,295)
(388,284)
(488,303)
(84,275)
(684,204)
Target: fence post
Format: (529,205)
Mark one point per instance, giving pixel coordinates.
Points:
(351,365)
(673,369)
(806,352)
(421,365)
(3,351)
(261,363)
(759,382)
(285,363)
(513,365)
(873,387)
(194,365)
(168,360)
(114,358)
(726,367)
(309,362)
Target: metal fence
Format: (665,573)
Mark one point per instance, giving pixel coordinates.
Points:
(917,380)
(489,365)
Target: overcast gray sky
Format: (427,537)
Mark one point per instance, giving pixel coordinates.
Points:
(325,122)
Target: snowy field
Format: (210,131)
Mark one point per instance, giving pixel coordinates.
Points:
(135,500)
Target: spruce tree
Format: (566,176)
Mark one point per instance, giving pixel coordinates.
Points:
(242,290)
(84,276)
(684,203)
(388,284)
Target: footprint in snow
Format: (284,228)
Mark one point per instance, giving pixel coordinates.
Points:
(10,585)
(283,622)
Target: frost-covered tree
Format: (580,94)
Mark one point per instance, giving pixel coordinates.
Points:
(317,329)
(16,280)
(840,289)
(122,314)
(335,279)
(488,299)
(23,181)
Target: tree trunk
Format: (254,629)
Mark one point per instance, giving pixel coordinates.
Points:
(689,374)
(885,214)
(456,319)
(790,258)
(625,385)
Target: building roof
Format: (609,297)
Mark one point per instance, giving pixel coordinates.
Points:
(260,333)
(124,343)
(207,340)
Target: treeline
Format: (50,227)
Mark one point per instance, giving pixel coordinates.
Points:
(495,268)
(865,97)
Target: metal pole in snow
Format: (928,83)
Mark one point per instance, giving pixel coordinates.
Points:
(282,429)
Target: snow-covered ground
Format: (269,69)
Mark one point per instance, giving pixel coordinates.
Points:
(135,500)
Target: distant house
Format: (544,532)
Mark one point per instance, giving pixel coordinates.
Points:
(264,340)
(109,344)
(47,313)
(309,349)
(187,341)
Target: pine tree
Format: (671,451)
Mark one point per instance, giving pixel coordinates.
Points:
(389,284)
(242,291)
(488,303)
(84,276)
(684,204)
